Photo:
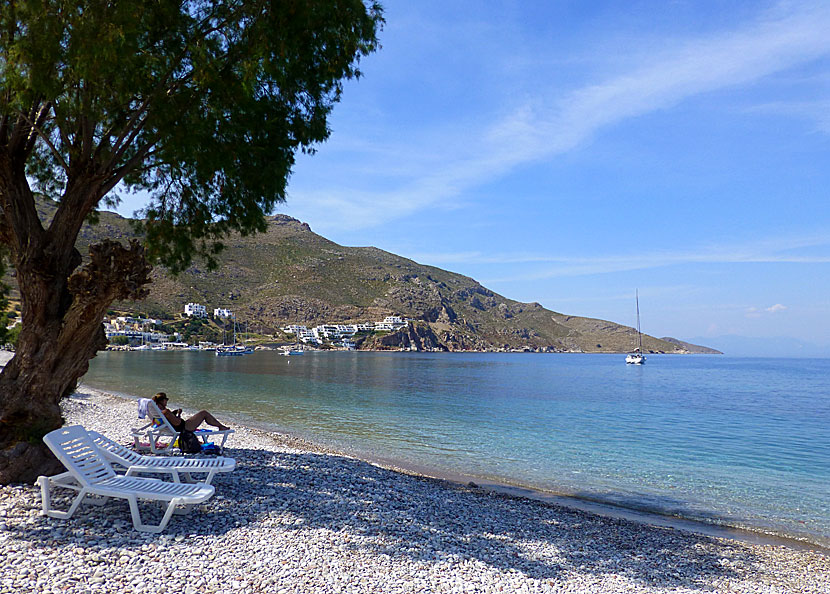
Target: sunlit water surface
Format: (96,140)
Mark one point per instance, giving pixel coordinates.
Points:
(738,442)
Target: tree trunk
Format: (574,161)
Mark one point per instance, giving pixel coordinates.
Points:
(62,330)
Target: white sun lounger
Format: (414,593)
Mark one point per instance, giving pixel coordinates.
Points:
(158,435)
(135,463)
(86,466)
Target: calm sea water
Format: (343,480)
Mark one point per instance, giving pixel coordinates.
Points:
(738,442)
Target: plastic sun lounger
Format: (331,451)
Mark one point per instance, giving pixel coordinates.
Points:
(159,429)
(74,447)
(135,463)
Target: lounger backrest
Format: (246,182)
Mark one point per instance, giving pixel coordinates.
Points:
(156,415)
(114,450)
(75,449)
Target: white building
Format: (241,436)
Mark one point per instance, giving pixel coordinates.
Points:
(221,312)
(346,330)
(195,310)
(390,323)
(135,336)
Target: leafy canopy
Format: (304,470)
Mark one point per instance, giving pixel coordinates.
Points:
(202,104)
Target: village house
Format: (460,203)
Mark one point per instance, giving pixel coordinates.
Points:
(195,310)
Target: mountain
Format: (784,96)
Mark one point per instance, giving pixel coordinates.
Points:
(289,274)
(783,346)
(691,348)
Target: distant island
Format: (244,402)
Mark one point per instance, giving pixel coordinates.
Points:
(291,275)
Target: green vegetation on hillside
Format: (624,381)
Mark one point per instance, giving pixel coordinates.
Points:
(288,274)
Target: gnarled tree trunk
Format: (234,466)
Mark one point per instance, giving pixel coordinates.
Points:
(63,307)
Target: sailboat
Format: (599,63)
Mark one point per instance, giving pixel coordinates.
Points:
(637,357)
(232,350)
(296,350)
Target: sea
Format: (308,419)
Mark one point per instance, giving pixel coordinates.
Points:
(740,443)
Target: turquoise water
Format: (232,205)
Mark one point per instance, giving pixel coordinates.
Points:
(738,442)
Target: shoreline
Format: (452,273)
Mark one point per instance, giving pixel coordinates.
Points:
(293,518)
(598,507)
(595,506)
(606,509)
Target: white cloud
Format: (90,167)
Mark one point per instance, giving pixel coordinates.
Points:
(550,123)
(816,111)
(757,312)
(779,250)
(698,66)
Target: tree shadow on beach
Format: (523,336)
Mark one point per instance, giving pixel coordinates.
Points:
(388,513)
(432,520)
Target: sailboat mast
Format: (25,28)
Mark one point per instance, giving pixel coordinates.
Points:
(639,335)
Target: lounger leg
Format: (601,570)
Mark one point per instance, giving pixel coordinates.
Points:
(141,527)
(45,496)
(46,500)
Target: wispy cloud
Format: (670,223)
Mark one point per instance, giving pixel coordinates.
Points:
(781,250)
(550,123)
(815,111)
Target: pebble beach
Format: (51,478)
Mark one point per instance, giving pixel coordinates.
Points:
(294,517)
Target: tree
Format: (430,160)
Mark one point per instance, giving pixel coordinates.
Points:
(4,302)
(202,104)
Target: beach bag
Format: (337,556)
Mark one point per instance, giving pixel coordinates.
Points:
(189,443)
(210,448)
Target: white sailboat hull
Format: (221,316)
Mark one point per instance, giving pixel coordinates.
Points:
(635,359)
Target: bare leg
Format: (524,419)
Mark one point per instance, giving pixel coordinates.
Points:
(193,422)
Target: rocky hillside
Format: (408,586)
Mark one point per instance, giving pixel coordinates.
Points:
(692,348)
(291,275)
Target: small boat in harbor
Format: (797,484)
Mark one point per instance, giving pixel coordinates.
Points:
(637,357)
(228,352)
(232,350)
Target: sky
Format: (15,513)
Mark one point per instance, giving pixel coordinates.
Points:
(571,153)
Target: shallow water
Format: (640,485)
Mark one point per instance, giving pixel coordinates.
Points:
(739,442)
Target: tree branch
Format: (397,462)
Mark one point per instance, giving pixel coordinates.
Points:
(128,167)
(39,120)
(33,127)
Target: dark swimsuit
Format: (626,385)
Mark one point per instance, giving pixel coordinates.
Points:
(178,426)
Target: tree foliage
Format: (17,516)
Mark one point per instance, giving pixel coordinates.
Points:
(201,104)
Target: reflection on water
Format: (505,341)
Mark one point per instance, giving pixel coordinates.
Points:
(746,441)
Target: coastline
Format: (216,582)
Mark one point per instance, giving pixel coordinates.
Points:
(593,506)
(294,517)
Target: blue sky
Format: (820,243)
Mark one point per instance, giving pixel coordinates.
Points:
(571,152)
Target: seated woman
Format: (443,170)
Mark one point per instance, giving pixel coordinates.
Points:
(191,424)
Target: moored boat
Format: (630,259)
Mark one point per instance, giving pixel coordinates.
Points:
(637,357)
